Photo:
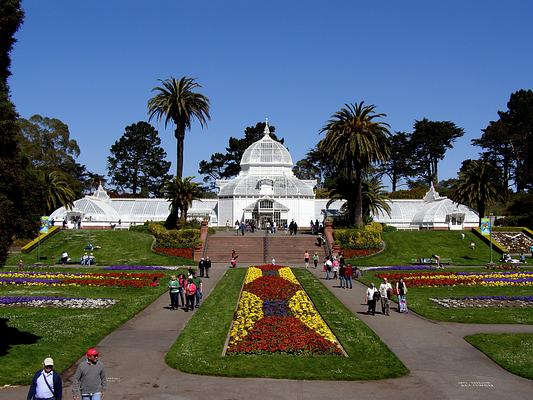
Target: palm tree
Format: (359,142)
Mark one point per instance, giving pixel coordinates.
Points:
(180,193)
(57,191)
(478,186)
(354,141)
(176,101)
(374,198)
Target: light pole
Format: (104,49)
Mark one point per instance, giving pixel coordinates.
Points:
(491,219)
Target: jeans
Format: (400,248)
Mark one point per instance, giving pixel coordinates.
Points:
(327,274)
(91,396)
(348,281)
(341,281)
(174,303)
(371,307)
(190,301)
(198,296)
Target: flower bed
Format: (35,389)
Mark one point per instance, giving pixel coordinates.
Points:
(169,251)
(275,315)
(60,302)
(138,268)
(120,279)
(402,268)
(433,279)
(485,301)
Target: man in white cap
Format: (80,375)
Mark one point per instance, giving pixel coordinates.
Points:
(46,383)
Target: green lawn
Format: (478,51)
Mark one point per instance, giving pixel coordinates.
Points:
(418,301)
(30,334)
(200,346)
(402,246)
(117,248)
(514,352)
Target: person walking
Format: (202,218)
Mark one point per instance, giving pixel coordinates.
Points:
(207,266)
(46,383)
(173,290)
(199,294)
(335,267)
(328,265)
(385,292)
(370,298)
(90,380)
(306,259)
(316,258)
(342,271)
(401,292)
(348,273)
(190,294)
(201,267)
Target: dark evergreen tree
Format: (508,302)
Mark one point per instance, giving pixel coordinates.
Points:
(399,165)
(137,162)
(429,141)
(20,194)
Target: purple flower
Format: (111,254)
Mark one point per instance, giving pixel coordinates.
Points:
(402,268)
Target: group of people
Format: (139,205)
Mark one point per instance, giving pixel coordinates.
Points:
(316,228)
(89,382)
(187,289)
(384,293)
(87,259)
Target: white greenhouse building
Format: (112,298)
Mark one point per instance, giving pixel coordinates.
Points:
(265,190)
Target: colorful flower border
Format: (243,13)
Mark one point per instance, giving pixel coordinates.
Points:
(109,279)
(275,315)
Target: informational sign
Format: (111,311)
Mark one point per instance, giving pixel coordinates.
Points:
(45,224)
(485,226)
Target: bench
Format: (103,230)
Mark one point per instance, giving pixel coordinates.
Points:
(121,228)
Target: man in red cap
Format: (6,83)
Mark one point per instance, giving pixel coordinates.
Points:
(89,380)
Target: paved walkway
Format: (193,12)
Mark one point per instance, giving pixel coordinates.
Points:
(442,364)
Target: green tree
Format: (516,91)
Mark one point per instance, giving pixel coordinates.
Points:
(177,101)
(374,198)
(478,186)
(57,192)
(399,165)
(519,120)
(315,165)
(225,166)
(20,193)
(355,140)
(180,193)
(137,161)
(498,145)
(430,140)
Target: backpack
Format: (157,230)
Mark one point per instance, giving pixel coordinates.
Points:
(191,289)
(376,295)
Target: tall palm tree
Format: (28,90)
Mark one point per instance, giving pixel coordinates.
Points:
(374,198)
(57,191)
(176,101)
(478,186)
(180,193)
(355,139)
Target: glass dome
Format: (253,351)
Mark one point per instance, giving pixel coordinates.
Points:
(266,152)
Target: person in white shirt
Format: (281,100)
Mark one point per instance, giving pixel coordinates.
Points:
(46,383)
(371,298)
(385,291)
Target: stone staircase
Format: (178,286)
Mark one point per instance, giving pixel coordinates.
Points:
(259,248)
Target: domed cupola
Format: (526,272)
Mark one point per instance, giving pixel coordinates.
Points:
(265,154)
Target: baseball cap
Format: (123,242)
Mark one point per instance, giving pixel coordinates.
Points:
(48,361)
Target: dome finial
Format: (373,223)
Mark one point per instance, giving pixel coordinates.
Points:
(267,130)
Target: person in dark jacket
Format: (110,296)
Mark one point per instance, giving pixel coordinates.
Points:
(46,383)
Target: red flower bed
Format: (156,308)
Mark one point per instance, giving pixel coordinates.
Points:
(185,253)
(272,288)
(352,253)
(283,335)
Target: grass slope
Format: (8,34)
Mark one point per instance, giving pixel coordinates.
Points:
(117,248)
(200,346)
(402,246)
(514,352)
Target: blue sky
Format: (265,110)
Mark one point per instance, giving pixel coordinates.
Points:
(92,64)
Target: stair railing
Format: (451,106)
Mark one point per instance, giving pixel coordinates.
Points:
(265,247)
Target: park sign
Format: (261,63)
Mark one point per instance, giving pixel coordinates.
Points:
(485,226)
(45,224)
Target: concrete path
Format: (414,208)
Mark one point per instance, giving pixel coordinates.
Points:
(442,364)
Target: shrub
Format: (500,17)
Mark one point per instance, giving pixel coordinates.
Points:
(174,238)
(369,237)
(389,228)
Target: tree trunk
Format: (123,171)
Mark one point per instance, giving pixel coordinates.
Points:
(179,133)
(358,198)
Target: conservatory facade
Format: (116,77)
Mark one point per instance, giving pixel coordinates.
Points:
(265,190)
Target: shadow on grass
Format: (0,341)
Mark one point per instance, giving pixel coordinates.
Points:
(12,336)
